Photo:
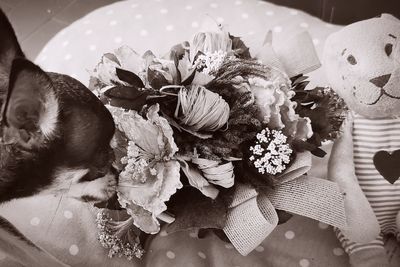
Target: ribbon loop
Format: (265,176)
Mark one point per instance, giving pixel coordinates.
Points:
(252,216)
(247,225)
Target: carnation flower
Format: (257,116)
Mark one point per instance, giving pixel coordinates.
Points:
(151,175)
(277,110)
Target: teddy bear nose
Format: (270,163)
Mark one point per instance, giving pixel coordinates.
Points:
(380,81)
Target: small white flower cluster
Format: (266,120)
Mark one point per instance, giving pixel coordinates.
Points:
(271,153)
(135,164)
(210,62)
(116,246)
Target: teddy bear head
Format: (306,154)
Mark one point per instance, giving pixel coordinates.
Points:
(362,64)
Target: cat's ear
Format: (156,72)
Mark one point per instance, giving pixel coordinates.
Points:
(9,50)
(30,110)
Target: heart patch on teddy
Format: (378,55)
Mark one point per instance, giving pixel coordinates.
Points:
(388,165)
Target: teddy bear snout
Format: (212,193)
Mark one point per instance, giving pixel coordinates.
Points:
(380,81)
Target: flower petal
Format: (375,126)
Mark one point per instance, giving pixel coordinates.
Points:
(197,180)
(185,66)
(105,71)
(160,184)
(209,42)
(154,135)
(278,111)
(130,59)
(167,141)
(142,218)
(216,173)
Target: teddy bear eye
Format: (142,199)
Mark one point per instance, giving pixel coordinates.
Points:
(388,49)
(352,60)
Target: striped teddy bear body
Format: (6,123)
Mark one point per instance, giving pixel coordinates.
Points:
(369,137)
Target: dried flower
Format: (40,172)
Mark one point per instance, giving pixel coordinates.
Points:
(145,67)
(199,109)
(151,175)
(270,153)
(277,109)
(118,237)
(124,58)
(209,63)
(210,42)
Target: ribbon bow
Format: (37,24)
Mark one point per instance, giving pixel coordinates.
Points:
(252,215)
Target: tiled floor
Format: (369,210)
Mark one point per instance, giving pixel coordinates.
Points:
(36,21)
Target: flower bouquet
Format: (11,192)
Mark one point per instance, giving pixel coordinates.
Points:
(210,138)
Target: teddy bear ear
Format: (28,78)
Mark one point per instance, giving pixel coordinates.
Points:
(389,17)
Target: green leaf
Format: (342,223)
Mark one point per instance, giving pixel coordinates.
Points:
(299,78)
(156,79)
(125,92)
(194,210)
(130,78)
(318,152)
(300,145)
(240,49)
(126,97)
(127,104)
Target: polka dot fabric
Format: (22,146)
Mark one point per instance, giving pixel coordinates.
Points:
(66,228)
(157,25)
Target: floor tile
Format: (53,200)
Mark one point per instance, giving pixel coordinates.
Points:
(11,3)
(36,41)
(30,15)
(6,8)
(80,8)
(36,21)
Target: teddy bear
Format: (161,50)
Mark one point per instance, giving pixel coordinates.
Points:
(362,65)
